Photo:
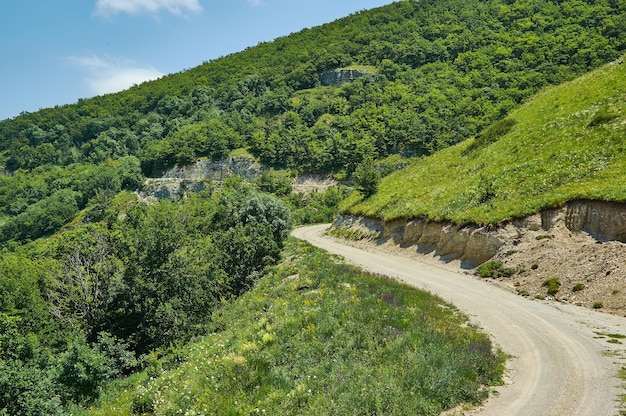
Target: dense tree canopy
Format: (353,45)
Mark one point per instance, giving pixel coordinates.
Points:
(439,71)
(79,309)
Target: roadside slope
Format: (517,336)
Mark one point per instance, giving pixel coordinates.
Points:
(560,364)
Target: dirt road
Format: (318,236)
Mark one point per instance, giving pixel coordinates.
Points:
(562,361)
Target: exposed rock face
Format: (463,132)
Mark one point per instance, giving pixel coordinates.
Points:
(219,170)
(340,76)
(307,183)
(474,244)
(176,182)
(606,221)
(171,188)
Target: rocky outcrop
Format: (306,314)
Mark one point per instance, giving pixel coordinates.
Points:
(171,188)
(474,244)
(341,76)
(178,181)
(605,221)
(246,167)
(311,182)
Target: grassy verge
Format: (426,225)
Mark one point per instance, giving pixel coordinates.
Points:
(317,337)
(567,143)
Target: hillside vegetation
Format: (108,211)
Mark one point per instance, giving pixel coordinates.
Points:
(439,72)
(566,143)
(97,285)
(317,337)
(91,304)
(444,69)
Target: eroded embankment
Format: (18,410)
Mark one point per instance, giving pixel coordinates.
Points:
(582,244)
(474,244)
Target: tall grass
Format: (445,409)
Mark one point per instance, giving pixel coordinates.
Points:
(566,143)
(317,337)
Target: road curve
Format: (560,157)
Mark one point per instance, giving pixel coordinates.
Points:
(560,365)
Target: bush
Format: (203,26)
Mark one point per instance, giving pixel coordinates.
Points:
(494,268)
(83,371)
(553,284)
(269,212)
(275,183)
(27,390)
(492,133)
(602,116)
(578,287)
(143,402)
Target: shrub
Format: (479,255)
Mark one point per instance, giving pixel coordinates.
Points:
(602,116)
(366,178)
(553,284)
(578,287)
(494,268)
(143,402)
(83,371)
(597,304)
(27,390)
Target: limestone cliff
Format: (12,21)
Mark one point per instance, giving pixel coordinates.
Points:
(341,76)
(179,180)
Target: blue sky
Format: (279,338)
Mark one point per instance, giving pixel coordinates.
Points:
(54,52)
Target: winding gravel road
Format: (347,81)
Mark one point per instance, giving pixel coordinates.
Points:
(561,363)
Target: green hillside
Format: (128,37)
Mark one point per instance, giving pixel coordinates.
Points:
(316,337)
(567,143)
(445,69)
(439,71)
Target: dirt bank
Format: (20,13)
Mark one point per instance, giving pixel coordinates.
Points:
(582,244)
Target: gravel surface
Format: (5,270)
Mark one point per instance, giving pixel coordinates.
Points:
(590,272)
(564,358)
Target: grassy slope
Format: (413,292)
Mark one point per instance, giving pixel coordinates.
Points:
(568,142)
(318,337)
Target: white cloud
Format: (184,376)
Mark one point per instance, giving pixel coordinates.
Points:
(107,8)
(107,74)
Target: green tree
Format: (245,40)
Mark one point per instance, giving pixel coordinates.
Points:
(43,217)
(82,371)
(366,178)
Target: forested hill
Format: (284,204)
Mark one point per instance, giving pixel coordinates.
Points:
(438,71)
